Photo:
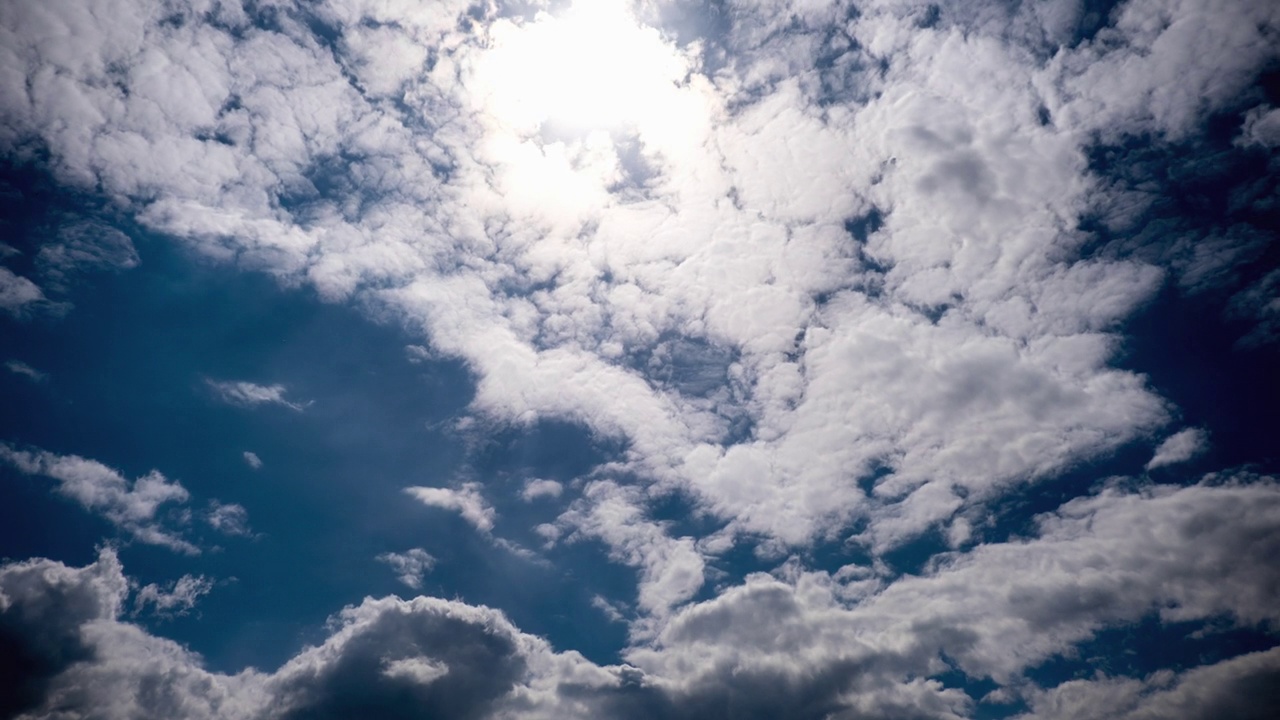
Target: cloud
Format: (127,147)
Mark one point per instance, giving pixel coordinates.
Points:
(466,500)
(803,643)
(178,599)
(17,367)
(1242,687)
(796,642)
(410,566)
(134,507)
(83,246)
(252,460)
(843,287)
(534,489)
(228,518)
(247,394)
(1179,447)
(18,295)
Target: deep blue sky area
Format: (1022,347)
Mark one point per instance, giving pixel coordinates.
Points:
(618,359)
(126,370)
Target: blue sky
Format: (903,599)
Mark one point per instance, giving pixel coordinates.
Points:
(639,359)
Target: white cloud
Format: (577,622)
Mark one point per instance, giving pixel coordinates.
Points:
(181,596)
(135,506)
(882,385)
(17,367)
(410,566)
(798,643)
(1179,447)
(252,460)
(466,501)
(535,488)
(228,518)
(247,394)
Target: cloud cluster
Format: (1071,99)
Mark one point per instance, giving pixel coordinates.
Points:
(830,274)
(802,643)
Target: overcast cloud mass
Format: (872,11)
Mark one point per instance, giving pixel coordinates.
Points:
(639,359)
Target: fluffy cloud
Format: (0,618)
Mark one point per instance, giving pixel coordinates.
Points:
(18,295)
(830,282)
(252,460)
(807,644)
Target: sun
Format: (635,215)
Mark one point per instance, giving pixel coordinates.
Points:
(593,67)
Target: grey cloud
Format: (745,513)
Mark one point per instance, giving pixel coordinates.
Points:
(796,643)
(42,607)
(83,246)
(1245,687)
(1179,447)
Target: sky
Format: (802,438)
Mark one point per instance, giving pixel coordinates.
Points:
(639,359)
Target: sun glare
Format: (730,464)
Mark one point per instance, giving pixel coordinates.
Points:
(592,67)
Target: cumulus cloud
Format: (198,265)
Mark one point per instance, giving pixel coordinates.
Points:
(466,501)
(795,643)
(247,394)
(831,281)
(134,506)
(410,566)
(1179,447)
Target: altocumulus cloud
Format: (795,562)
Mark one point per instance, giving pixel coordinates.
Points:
(829,274)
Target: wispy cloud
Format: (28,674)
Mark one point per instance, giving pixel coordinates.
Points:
(410,566)
(228,518)
(178,599)
(252,460)
(17,367)
(134,506)
(465,500)
(247,394)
